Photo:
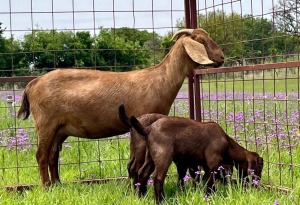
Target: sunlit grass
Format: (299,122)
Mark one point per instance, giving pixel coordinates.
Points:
(117,192)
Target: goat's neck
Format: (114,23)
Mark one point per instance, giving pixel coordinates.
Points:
(236,152)
(175,67)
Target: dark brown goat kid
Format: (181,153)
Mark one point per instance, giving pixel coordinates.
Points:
(138,152)
(206,144)
(84,103)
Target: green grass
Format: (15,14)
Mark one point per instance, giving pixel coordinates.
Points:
(117,192)
(105,158)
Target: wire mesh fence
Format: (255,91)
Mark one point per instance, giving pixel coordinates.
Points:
(257,106)
(260,110)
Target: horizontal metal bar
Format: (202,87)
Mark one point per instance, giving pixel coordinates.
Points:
(24,187)
(17,79)
(247,68)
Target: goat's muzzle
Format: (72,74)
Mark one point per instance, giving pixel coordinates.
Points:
(219,61)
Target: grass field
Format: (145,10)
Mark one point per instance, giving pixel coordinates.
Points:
(261,114)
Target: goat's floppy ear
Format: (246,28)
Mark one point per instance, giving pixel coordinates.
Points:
(196,51)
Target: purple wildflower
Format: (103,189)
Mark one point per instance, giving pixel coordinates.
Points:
(197,172)
(137,184)
(150,181)
(220,168)
(276,202)
(239,116)
(255,182)
(186,178)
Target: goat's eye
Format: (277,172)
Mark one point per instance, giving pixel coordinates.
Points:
(193,36)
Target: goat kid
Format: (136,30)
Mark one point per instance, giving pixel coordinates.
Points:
(206,144)
(138,152)
(84,103)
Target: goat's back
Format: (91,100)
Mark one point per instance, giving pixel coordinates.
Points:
(84,102)
(187,135)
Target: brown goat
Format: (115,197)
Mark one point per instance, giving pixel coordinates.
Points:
(206,144)
(138,151)
(84,103)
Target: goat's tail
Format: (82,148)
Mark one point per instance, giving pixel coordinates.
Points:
(133,122)
(25,107)
(144,131)
(123,116)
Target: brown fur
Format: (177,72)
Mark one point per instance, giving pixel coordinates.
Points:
(138,150)
(206,144)
(84,103)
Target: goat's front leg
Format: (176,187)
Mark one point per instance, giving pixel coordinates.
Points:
(195,174)
(211,168)
(208,178)
(181,170)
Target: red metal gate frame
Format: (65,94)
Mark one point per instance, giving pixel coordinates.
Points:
(197,73)
(191,22)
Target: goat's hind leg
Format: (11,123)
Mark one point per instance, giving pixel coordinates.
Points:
(45,138)
(144,174)
(159,175)
(54,156)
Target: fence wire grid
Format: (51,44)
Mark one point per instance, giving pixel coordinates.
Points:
(254,96)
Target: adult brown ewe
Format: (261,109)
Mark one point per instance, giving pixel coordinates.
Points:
(84,103)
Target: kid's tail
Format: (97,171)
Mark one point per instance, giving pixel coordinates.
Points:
(123,116)
(144,131)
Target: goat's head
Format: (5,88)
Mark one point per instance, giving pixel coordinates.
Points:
(252,167)
(201,48)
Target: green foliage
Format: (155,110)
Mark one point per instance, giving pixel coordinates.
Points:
(2,49)
(119,52)
(166,43)
(10,55)
(113,49)
(50,49)
(287,16)
(246,37)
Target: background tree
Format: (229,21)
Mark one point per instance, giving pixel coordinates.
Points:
(119,52)
(245,38)
(49,49)
(3,54)
(113,49)
(11,57)
(257,33)
(287,16)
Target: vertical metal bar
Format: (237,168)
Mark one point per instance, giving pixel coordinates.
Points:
(197,97)
(191,22)
(193,13)
(187,13)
